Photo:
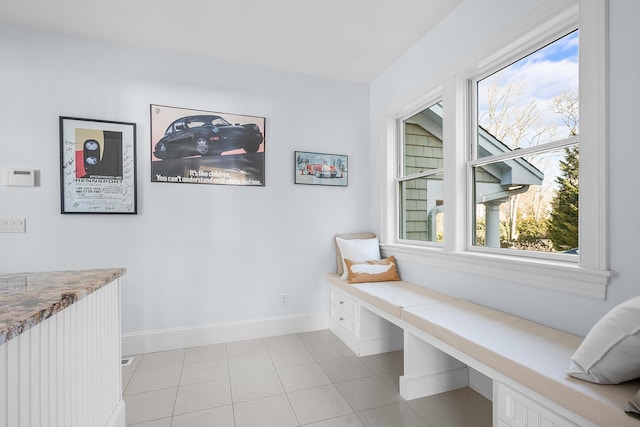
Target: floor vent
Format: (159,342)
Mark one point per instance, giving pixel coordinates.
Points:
(127,361)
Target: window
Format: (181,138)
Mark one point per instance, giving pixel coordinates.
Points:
(479,176)
(420,183)
(524,164)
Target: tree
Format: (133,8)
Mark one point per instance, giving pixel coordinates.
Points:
(563,223)
(513,124)
(532,232)
(516,122)
(505,118)
(566,105)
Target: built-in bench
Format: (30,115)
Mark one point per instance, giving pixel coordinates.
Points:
(444,339)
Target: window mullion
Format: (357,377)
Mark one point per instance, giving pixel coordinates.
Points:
(523,152)
(454,163)
(422,174)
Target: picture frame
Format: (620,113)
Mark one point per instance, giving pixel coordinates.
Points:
(321,169)
(97,166)
(206,147)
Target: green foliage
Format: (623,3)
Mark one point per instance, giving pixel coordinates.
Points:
(530,229)
(531,233)
(563,223)
(505,231)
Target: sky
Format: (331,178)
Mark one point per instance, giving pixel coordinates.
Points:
(545,74)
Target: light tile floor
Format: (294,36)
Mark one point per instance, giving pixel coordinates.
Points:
(307,379)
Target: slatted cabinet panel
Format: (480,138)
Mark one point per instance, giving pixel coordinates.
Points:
(65,371)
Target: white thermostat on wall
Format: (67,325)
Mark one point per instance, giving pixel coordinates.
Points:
(19,177)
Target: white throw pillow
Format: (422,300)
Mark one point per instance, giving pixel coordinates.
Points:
(610,352)
(357,250)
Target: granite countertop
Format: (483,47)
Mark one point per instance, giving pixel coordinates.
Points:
(27,299)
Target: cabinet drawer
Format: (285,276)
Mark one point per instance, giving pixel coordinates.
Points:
(344,321)
(518,410)
(344,303)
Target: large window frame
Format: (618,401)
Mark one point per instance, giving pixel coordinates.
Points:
(590,275)
(474,159)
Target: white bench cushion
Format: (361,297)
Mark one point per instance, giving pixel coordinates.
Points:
(391,297)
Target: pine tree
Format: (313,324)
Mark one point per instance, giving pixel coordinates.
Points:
(563,224)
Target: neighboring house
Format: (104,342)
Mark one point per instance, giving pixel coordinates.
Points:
(496,182)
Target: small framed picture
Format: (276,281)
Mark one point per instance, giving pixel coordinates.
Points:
(321,169)
(97,166)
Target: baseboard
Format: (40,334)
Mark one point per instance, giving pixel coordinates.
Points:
(428,385)
(197,335)
(381,345)
(370,346)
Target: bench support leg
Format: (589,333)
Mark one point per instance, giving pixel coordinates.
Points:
(378,335)
(429,371)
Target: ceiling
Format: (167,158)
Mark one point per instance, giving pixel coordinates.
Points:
(352,40)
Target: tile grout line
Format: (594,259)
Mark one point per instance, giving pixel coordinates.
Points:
(284,390)
(184,356)
(333,383)
(385,372)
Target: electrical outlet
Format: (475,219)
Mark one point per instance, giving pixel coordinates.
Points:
(283,299)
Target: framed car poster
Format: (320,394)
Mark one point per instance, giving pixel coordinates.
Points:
(321,169)
(206,147)
(97,166)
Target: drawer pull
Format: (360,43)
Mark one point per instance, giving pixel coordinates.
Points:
(341,302)
(341,319)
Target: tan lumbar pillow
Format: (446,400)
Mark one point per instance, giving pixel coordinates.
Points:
(380,270)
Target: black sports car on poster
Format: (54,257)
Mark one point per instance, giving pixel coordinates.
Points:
(206,135)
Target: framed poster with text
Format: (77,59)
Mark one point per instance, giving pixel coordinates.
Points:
(206,147)
(97,166)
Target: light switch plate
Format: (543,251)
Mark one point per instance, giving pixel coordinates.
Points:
(13,225)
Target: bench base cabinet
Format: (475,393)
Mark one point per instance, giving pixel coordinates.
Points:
(431,368)
(361,330)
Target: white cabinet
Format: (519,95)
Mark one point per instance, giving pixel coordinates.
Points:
(344,304)
(344,313)
(344,318)
(65,371)
(348,323)
(363,331)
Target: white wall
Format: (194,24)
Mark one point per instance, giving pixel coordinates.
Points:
(472,26)
(199,255)
(195,254)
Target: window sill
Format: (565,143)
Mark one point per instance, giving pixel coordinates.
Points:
(554,275)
